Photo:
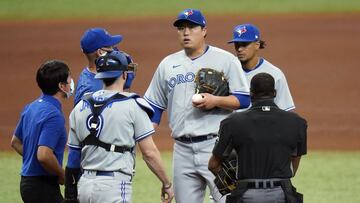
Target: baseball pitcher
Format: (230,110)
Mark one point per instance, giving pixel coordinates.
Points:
(195,123)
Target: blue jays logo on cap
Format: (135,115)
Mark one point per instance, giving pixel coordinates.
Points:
(187,13)
(241,30)
(245,33)
(191,15)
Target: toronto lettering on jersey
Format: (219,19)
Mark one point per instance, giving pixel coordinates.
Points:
(180,78)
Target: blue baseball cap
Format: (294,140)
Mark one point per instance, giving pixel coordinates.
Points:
(191,15)
(96,38)
(112,65)
(245,33)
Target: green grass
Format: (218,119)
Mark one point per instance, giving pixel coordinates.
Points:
(69,9)
(323,177)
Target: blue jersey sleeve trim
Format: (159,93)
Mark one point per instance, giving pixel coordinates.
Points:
(243,99)
(145,135)
(74,158)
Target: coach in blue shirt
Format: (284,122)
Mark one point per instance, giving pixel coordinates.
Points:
(95,42)
(40,136)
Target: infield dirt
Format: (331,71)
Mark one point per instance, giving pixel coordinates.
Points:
(319,55)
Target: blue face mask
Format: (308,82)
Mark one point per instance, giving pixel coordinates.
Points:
(129,79)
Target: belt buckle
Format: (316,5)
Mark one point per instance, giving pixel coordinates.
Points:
(211,135)
(188,138)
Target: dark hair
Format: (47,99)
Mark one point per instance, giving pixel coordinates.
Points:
(262,44)
(262,85)
(50,74)
(109,81)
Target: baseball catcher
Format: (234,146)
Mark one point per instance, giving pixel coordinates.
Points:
(211,81)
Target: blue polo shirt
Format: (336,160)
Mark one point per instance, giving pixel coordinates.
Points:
(42,123)
(86,83)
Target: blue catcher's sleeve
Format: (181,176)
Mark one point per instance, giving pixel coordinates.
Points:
(74,158)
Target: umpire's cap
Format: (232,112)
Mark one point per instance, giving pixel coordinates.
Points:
(112,65)
(96,38)
(245,33)
(191,15)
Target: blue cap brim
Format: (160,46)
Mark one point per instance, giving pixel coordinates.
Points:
(239,40)
(108,74)
(116,39)
(176,23)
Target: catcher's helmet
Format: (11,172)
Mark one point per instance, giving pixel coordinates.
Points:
(112,65)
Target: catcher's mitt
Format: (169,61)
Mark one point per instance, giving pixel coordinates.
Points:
(211,81)
(226,179)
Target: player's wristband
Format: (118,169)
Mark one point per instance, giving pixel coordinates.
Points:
(167,186)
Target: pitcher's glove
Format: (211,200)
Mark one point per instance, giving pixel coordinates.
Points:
(226,179)
(211,81)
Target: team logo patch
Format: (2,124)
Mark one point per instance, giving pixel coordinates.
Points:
(241,30)
(98,127)
(188,13)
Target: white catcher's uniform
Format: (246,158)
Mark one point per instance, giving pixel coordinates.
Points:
(107,175)
(171,88)
(283,97)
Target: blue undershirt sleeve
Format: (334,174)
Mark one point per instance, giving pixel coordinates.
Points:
(74,158)
(243,99)
(157,114)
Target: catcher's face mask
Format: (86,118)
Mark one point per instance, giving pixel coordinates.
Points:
(113,65)
(131,73)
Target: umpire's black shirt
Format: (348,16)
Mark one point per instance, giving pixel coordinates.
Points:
(265,138)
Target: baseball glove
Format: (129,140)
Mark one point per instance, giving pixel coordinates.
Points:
(211,81)
(226,179)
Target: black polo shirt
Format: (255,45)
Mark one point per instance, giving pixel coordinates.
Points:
(265,138)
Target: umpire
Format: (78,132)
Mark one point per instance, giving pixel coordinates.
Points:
(269,143)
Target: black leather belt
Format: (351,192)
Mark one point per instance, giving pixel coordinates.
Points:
(100,173)
(263,184)
(105,173)
(189,139)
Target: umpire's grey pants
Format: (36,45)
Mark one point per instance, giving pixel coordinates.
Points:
(269,195)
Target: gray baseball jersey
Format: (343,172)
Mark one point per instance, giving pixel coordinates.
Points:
(173,86)
(283,97)
(122,123)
